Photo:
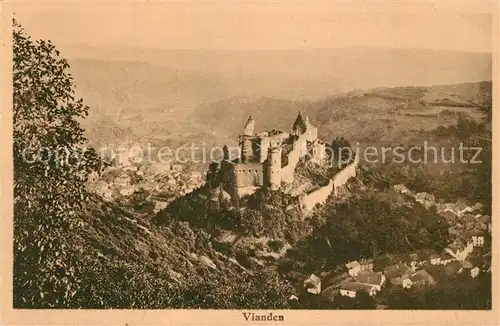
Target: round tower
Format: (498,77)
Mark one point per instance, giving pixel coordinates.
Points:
(246,148)
(274,168)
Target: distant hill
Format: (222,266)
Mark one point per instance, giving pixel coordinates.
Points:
(178,96)
(205,75)
(381,115)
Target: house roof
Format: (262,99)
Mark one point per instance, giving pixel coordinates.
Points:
(462,206)
(424,196)
(459,243)
(355,286)
(401,188)
(448,215)
(396,270)
(478,206)
(467,264)
(352,264)
(453,267)
(421,276)
(433,256)
(484,218)
(448,206)
(446,255)
(313,280)
(413,257)
(425,254)
(372,278)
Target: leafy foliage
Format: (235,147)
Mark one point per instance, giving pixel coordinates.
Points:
(460,292)
(51,165)
(368,226)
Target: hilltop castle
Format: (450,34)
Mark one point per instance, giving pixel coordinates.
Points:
(269,158)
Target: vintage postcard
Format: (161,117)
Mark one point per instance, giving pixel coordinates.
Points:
(234,162)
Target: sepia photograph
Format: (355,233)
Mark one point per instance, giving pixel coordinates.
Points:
(259,157)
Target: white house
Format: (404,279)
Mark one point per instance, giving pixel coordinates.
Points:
(474,272)
(354,267)
(446,258)
(350,289)
(406,282)
(435,259)
(313,284)
(460,249)
(401,188)
(376,279)
(477,238)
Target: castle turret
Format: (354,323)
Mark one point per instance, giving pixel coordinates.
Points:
(299,126)
(249,126)
(246,144)
(274,168)
(247,154)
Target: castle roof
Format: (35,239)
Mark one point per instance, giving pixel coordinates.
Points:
(300,123)
(249,125)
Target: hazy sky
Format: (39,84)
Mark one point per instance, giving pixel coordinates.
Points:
(271,25)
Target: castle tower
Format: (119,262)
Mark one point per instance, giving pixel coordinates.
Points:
(299,126)
(246,146)
(249,126)
(274,168)
(246,143)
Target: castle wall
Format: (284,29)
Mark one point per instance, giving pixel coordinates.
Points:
(228,178)
(315,197)
(344,175)
(248,175)
(263,147)
(320,195)
(299,150)
(319,151)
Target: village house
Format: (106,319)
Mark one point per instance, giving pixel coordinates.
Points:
(474,272)
(413,261)
(366,265)
(425,199)
(460,248)
(466,266)
(375,279)
(397,273)
(435,259)
(453,268)
(449,216)
(122,181)
(461,208)
(421,278)
(469,221)
(350,289)
(455,231)
(477,238)
(402,189)
(127,191)
(353,268)
(313,284)
(478,206)
(159,205)
(446,258)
